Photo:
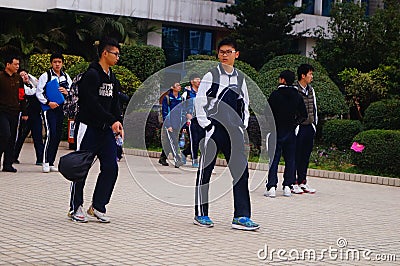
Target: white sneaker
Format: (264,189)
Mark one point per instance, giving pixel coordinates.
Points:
(78,216)
(296,189)
(270,193)
(101,217)
(45,168)
(53,169)
(286,191)
(307,189)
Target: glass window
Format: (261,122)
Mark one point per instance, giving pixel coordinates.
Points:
(309,5)
(178,43)
(326,7)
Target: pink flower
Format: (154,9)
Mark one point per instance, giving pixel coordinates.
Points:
(357,147)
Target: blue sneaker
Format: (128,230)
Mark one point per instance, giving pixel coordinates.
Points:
(244,223)
(195,163)
(204,221)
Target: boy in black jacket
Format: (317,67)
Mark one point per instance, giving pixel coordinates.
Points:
(289,110)
(97,124)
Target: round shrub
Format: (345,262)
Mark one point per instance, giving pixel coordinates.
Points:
(383,114)
(381,152)
(129,82)
(340,133)
(142,60)
(80,67)
(330,101)
(292,60)
(40,63)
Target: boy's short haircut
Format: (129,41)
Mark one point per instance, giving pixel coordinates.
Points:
(193,76)
(288,76)
(56,55)
(105,44)
(303,69)
(228,41)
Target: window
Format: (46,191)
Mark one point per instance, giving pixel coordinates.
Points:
(326,7)
(309,4)
(178,43)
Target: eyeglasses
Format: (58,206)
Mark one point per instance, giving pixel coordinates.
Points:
(114,53)
(227,52)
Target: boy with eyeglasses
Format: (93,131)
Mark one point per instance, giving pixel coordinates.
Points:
(98,124)
(222,110)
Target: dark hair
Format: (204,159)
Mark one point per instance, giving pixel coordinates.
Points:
(303,69)
(288,76)
(56,55)
(23,69)
(9,59)
(228,41)
(193,76)
(105,44)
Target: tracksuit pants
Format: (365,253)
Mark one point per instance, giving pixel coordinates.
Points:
(304,146)
(53,121)
(33,125)
(102,142)
(232,146)
(170,142)
(286,146)
(8,132)
(196,133)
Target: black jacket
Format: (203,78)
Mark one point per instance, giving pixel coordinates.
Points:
(98,98)
(287,107)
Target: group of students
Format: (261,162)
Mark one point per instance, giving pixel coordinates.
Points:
(293,105)
(179,118)
(25,108)
(215,109)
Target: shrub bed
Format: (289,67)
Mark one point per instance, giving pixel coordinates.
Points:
(340,132)
(381,152)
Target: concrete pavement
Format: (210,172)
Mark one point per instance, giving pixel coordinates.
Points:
(342,221)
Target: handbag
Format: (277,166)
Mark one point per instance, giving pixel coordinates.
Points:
(75,166)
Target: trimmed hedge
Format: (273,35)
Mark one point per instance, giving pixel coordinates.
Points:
(129,82)
(40,63)
(381,152)
(142,60)
(383,114)
(340,133)
(330,100)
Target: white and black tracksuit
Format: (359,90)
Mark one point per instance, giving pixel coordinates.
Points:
(222,110)
(98,111)
(53,118)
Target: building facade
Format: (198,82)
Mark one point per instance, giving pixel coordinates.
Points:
(186,26)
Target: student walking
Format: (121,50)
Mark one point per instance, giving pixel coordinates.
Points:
(54,115)
(196,132)
(222,110)
(172,117)
(34,122)
(98,123)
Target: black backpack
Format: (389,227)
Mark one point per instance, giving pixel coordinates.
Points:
(71,107)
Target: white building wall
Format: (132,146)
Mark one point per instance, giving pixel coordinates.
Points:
(198,12)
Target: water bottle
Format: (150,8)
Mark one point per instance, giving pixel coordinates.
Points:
(182,140)
(119,140)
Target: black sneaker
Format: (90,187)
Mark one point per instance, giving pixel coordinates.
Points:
(163,162)
(16,161)
(9,169)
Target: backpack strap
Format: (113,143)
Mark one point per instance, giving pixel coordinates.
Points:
(48,75)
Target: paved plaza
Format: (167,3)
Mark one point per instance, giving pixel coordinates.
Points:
(344,223)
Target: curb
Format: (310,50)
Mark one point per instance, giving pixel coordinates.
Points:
(370,179)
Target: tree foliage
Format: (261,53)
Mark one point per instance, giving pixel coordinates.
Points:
(263,28)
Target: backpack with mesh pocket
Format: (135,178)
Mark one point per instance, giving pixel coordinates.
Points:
(70,107)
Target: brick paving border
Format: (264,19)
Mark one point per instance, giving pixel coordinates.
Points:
(379,180)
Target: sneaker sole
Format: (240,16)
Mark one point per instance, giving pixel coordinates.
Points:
(98,219)
(269,196)
(202,225)
(304,191)
(244,228)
